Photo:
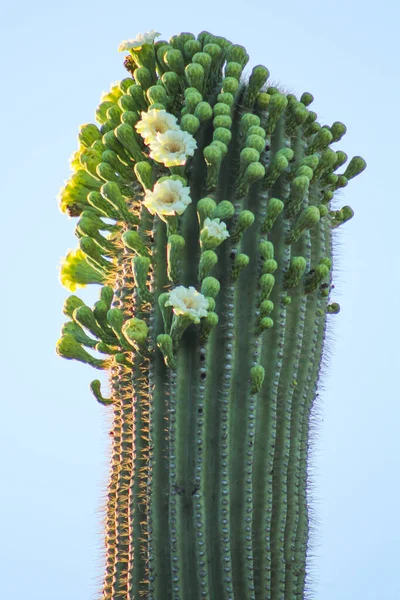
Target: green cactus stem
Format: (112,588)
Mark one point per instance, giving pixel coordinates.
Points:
(204,206)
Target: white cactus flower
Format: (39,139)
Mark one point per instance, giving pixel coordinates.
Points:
(215,230)
(188,302)
(140,39)
(169,197)
(154,122)
(172,147)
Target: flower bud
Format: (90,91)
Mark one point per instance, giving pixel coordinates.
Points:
(295,272)
(135,331)
(208,260)
(95,387)
(69,348)
(210,287)
(133,240)
(257,375)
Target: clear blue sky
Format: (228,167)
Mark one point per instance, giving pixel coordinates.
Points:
(56,59)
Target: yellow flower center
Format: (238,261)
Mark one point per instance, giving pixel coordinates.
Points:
(190,303)
(173,146)
(169,198)
(160,127)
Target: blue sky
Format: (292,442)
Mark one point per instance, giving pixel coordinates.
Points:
(56,59)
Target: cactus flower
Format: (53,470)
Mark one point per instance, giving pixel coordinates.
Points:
(172,147)
(153,122)
(188,302)
(169,197)
(139,41)
(214,232)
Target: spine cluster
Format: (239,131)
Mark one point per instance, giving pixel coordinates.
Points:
(204,213)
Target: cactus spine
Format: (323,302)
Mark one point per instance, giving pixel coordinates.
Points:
(204,212)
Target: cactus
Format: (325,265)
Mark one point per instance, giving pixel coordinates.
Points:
(204,212)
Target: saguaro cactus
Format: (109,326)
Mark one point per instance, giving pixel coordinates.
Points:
(204,207)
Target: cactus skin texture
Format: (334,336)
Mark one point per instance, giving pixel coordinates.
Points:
(204,212)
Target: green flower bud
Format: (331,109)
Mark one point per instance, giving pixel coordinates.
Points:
(222,135)
(111,143)
(86,227)
(203,59)
(123,360)
(138,97)
(68,347)
(256,130)
(257,375)
(89,159)
(140,268)
(143,77)
(266,249)
(248,156)
(326,163)
(258,77)
(208,260)
(175,246)
(127,103)
(70,304)
(179,41)
(166,310)
(245,220)
(85,317)
(207,324)
(230,85)
(238,54)
(341,158)
(95,387)
(194,74)
(96,200)
(241,261)
(355,167)
(321,141)
(77,272)
(135,331)
(144,173)
(323,210)
(205,208)
(203,111)
(267,282)
(164,342)
(327,197)
(225,98)
(338,130)
(190,123)
(262,101)
(277,166)
(341,216)
(298,192)
(270,266)
(333,309)
(190,48)
(213,157)
(133,240)
(76,331)
(210,287)
(266,323)
(276,106)
(221,109)
(329,179)
(305,171)
(222,121)
(233,69)
(307,219)
(215,52)
(255,141)
(307,99)
(341,182)
(316,277)
(172,83)
(100,309)
(115,319)
(224,210)
(174,60)
(157,93)
(223,148)
(111,192)
(192,100)
(295,272)
(113,117)
(125,134)
(274,209)
(310,161)
(106,295)
(101,112)
(248,120)
(88,134)
(93,251)
(266,308)
(254,172)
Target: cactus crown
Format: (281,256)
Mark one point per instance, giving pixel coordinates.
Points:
(203,205)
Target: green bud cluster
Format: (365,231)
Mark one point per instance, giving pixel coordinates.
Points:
(203,205)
